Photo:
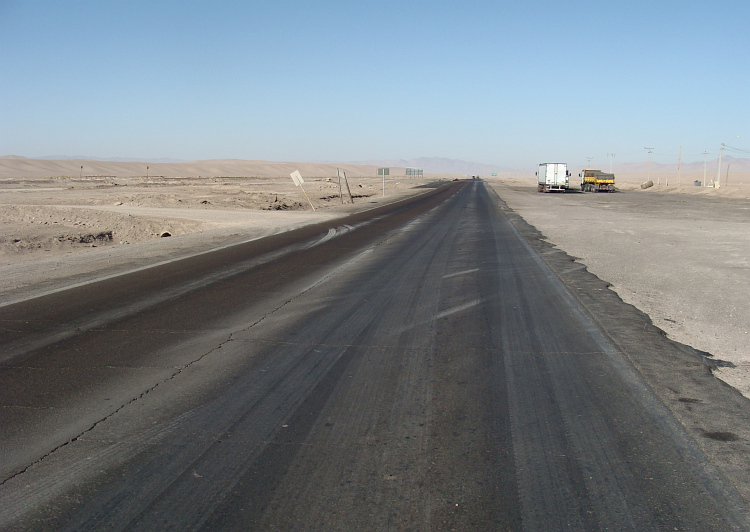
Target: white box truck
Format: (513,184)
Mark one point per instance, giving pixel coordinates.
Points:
(552,176)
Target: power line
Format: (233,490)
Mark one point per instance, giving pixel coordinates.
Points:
(718,171)
(611,156)
(736,149)
(705,161)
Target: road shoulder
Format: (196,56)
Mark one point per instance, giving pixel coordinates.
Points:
(711,411)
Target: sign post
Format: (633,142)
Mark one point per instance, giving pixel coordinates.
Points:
(297,178)
(340,173)
(341,196)
(384,172)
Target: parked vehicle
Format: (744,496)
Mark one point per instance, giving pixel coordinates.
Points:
(552,176)
(597,181)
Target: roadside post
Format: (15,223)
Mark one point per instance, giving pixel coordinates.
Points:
(297,178)
(340,173)
(384,172)
(341,196)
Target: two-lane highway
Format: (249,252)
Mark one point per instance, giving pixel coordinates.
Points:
(420,370)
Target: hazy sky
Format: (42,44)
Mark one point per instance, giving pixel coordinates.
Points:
(509,83)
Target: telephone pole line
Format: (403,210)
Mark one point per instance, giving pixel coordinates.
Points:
(705,161)
(611,156)
(718,171)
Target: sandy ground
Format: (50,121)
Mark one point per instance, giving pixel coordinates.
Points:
(679,254)
(59,232)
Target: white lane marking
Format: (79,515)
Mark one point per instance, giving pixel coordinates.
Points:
(459,308)
(443,314)
(331,233)
(460,273)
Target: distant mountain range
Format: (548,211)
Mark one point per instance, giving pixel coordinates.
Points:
(110,159)
(430,165)
(736,165)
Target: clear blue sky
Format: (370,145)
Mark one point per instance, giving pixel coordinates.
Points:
(509,83)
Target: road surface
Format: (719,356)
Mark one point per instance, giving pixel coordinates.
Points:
(416,367)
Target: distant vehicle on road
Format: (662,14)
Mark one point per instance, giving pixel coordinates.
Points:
(552,176)
(597,181)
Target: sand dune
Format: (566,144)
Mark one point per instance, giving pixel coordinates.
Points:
(14,167)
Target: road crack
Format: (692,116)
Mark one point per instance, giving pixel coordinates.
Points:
(182,368)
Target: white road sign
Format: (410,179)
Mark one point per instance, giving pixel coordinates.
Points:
(297,178)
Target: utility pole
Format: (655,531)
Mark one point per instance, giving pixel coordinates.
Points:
(705,161)
(589,162)
(718,173)
(611,156)
(649,162)
(679,168)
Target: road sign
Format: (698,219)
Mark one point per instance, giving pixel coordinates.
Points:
(494,174)
(297,178)
(384,172)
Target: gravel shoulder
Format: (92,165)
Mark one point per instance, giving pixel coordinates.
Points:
(680,256)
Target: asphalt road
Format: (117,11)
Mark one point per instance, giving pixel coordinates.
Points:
(418,367)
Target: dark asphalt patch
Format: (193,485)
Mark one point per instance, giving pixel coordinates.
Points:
(721,436)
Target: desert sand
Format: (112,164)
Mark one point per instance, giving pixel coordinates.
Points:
(60,230)
(12,167)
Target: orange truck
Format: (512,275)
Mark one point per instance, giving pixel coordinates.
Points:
(597,181)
